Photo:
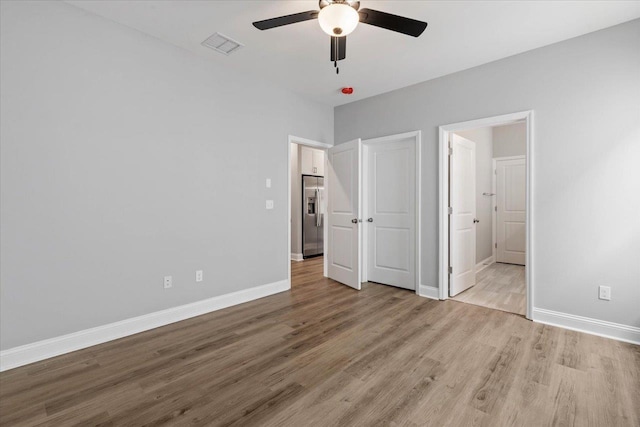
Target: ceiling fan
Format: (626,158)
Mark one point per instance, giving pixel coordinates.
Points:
(338,18)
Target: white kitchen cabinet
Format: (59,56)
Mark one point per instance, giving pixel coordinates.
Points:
(311,161)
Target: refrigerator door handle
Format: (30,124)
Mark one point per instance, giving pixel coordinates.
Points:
(318,210)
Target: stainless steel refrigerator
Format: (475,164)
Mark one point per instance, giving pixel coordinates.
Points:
(312,216)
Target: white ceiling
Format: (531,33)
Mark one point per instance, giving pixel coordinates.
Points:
(460,35)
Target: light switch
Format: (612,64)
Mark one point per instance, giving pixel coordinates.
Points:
(268,182)
(269,204)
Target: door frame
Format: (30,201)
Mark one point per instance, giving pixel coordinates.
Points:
(494,190)
(309,143)
(417,137)
(443,222)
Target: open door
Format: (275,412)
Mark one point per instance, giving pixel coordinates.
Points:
(343,213)
(462,226)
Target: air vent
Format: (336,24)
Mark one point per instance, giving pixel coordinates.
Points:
(222,44)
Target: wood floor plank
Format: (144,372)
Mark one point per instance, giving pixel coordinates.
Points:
(324,354)
(494,385)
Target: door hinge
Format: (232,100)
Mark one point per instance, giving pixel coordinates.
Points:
(495,208)
(495,171)
(450,270)
(495,245)
(450,210)
(450,151)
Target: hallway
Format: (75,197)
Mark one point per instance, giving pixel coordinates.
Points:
(499,286)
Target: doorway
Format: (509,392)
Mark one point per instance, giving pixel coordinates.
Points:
(306,161)
(383,188)
(486,214)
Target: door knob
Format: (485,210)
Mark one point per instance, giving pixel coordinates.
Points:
(369,219)
(476,220)
(354,220)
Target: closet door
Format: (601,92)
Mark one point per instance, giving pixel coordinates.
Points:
(510,218)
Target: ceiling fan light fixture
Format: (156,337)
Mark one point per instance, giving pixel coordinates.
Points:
(338,19)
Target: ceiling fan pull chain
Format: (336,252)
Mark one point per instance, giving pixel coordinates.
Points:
(335,49)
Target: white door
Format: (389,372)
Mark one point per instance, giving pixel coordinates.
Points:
(510,217)
(343,213)
(462,200)
(390,209)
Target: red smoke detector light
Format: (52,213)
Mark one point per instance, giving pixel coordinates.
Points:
(347,90)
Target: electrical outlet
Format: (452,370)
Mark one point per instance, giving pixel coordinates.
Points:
(268,182)
(604,293)
(168,282)
(199,276)
(269,204)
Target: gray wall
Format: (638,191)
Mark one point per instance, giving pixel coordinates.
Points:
(125,159)
(483,138)
(510,140)
(585,94)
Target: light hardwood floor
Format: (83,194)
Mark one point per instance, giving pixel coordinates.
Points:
(326,355)
(499,286)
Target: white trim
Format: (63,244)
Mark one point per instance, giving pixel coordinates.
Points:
(40,350)
(601,328)
(296,257)
(494,190)
(520,157)
(444,131)
(428,291)
(291,139)
(485,263)
(308,142)
(417,137)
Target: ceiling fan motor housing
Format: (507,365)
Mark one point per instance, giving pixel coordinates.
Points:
(353,3)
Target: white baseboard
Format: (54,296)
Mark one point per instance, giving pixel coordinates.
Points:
(588,325)
(296,257)
(428,291)
(484,264)
(40,350)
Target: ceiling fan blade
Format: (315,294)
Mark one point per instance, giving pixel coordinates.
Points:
(400,24)
(286,20)
(338,48)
